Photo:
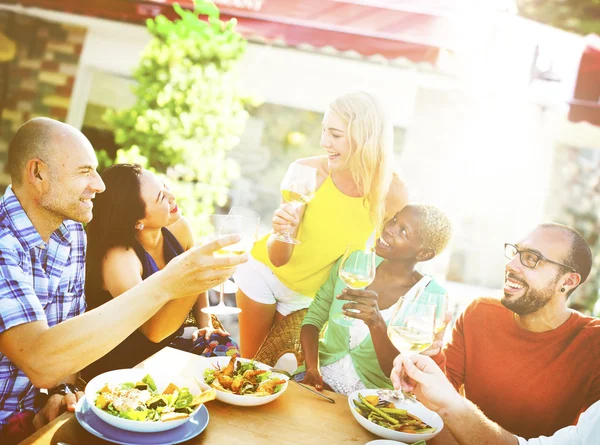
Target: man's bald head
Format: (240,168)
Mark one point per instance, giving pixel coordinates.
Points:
(39,138)
(578,253)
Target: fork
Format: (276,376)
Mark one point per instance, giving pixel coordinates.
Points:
(390,396)
(281,371)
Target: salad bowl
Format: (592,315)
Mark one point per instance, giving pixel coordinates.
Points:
(160,403)
(249,394)
(412,408)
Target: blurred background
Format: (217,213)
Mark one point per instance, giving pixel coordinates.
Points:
(495,104)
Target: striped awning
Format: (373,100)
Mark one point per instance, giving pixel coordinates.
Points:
(417,30)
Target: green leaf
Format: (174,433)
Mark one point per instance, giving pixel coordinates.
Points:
(171,398)
(148,380)
(262,377)
(189,109)
(202,7)
(185,398)
(209,376)
(111,410)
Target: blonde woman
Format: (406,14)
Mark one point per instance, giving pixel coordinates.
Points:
(356,192)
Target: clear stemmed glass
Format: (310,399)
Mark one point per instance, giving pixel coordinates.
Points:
(440,300)
(244,222)
(412,327)
(357,271)
(298,187)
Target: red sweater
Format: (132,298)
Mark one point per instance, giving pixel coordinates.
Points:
(531,384)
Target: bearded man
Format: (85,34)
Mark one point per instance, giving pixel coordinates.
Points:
(528,361)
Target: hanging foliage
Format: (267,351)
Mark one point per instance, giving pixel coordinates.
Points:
(189,111)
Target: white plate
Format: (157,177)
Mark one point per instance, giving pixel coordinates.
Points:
(234,399)
(136,375)
(418,409)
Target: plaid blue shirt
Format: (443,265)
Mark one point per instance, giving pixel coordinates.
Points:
(38,282)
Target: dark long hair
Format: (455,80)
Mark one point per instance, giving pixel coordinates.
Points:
(115,214)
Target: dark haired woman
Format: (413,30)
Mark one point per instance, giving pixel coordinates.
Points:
(128,240)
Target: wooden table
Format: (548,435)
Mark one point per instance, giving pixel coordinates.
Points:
(297,417)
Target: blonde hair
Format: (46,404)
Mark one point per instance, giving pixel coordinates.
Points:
(436,229)
(371,138)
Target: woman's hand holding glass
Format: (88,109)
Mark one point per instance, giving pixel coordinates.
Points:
(297,189)
(357,271)
(363,305)
(286,219)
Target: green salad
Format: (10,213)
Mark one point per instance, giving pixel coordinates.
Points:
(141,401)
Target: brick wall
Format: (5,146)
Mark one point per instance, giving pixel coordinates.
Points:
(41,77)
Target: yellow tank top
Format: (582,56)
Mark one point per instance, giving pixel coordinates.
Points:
(331,221)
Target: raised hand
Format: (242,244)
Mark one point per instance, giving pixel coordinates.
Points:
(286,218)
(421,375)
(197,270)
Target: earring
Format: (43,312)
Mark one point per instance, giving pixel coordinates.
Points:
(139,226)
(562,289)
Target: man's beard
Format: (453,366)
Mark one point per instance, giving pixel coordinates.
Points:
(532,301)
(62,207)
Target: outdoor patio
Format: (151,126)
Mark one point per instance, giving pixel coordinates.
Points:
(438,135)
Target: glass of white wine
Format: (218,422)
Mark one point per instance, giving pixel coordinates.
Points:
(244,222)
(412,327)
(440,300)
(298,187)
(357,271)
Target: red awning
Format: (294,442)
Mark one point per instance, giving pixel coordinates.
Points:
(585,105)
(414,29)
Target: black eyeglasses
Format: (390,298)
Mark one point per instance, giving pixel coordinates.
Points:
(528,258)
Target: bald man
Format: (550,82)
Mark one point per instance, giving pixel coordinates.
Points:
(45,336)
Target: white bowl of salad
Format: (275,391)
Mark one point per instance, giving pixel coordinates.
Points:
(142,401)
(240,381)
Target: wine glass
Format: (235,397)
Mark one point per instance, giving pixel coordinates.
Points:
(439,299)
(298,188)
(357,271)
(412,328)
(243,222)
